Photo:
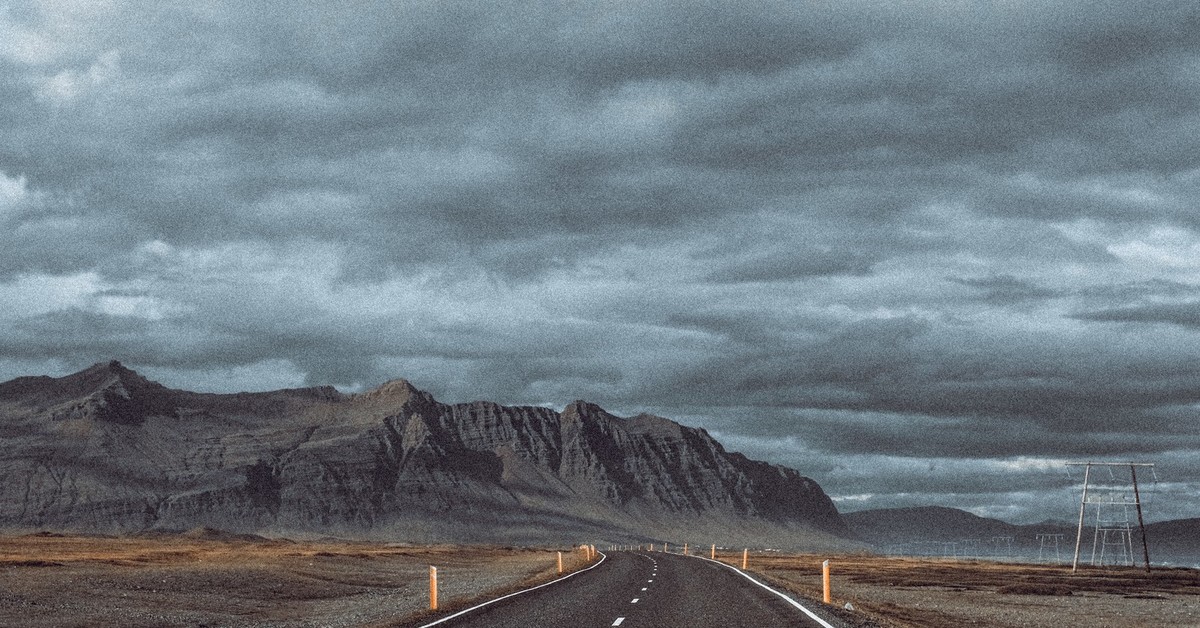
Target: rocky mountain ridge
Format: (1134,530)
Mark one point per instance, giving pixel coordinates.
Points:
(106,450)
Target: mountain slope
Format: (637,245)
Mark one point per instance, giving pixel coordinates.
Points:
(107,450)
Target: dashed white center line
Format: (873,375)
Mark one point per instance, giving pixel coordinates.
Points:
(649,581)
(643,588)
(618,622)
(634,600)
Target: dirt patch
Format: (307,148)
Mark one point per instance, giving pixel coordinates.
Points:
(1028,588)
(210,580)
(927,593)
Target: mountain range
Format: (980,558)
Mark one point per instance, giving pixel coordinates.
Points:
(106,450)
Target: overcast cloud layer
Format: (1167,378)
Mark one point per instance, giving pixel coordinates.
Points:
(922,251)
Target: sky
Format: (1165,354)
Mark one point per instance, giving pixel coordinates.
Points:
(924,251)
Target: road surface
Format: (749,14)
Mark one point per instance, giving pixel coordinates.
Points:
(642,589)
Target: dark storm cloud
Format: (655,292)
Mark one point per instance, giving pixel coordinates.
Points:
(944,372)
(886,232)
(794,265)
(1003,289)
(1183,314)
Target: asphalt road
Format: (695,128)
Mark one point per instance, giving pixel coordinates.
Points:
(642,589)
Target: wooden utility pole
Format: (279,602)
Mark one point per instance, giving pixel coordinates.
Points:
(1082,505)
(1137,499)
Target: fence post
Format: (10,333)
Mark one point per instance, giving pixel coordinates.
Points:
(825,579)
(433,586)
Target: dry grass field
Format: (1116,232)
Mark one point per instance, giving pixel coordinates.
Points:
(931,593)
(217,580)
(210,579)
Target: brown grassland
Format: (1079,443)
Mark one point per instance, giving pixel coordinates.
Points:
(216,580)
(933,593)
(210,579)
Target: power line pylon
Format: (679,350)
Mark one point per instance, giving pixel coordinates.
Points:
(1045,541)
(1111,495)
(1002,546)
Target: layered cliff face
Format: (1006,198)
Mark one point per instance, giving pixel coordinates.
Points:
(107,450)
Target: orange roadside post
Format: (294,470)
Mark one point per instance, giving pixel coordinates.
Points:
(433,586)
(825,579)
(745,557)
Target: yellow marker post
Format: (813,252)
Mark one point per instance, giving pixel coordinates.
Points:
(825,579)
(432,588)
(685,549)
(745,557)
(560,562)
(713,555)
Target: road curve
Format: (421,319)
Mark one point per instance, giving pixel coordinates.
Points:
(643,589)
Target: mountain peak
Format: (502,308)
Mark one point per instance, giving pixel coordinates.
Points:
(112,366)
(580,409)
(105,391)
(104,375)
(397,391)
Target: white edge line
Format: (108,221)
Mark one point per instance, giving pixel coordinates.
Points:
(603,556)
(786,598)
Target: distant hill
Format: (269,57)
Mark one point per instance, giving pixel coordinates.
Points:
(940,531)
(923,524)
(1176,541)
(106,450)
